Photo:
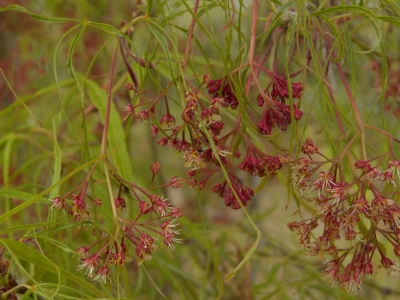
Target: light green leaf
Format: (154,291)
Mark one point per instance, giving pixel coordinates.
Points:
(116,134)
(36,198)
(21,9)
(36,258)
(23,196)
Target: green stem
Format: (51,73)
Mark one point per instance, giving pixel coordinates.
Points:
(248,255)
(105,133)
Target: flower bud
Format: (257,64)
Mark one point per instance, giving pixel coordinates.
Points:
(177,182)
(97,202)
(176,212)
(396,250)
(361,164)
(129,86)
(119,202)
(155,167)
(144,207)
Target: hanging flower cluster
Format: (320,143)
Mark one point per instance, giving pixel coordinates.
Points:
(361,211)
(156,217)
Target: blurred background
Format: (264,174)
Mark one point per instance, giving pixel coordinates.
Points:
(277,270)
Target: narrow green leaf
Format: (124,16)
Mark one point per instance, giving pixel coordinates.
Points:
(220,284)
(392,20)
(46,90)
(116,134)
(36,258)
(19,99)
(249,253)
(20,207)
(21,9)
(356,9)
(164,45)
(338,39)
(71,70)
(149,7)
(25,228)
(57,157)
(22,196)
(58,85)
(105,27)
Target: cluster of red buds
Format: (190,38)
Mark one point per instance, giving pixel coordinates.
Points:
(156,217)
(203,124)
(361,211)
(224,88)
(275,111)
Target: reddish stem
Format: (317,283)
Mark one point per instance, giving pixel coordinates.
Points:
(196,5)
(354,108)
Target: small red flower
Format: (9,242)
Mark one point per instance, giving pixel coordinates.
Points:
(223,86)
(279,115)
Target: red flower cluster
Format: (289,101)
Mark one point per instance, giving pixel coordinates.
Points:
(341,207)
(223,88)
(276,112)
(257,163)
(224,191)
(156,215)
